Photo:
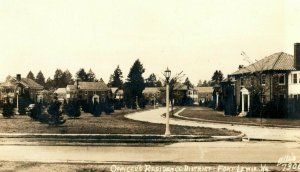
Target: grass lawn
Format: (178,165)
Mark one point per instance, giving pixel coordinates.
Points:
(105,124)
(209,114)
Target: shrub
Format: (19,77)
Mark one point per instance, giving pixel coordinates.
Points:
(56,117)
(108,109)
(85,106)
(118,104)
(8,110)
(23,103)
(96,109)
(35,112)
(72,108)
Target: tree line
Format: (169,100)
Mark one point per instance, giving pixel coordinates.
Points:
(133,86)
(63,78)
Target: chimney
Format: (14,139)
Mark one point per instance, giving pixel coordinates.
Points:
(297,56)
(241,67)
(18,77)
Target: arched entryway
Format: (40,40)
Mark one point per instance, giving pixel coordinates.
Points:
(245,96)
(95,98)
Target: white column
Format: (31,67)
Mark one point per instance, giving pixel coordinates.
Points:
(17,110)
(217,100)
(248,102)
(243,102)
(167,133)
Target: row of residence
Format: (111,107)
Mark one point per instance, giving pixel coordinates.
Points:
(27,90)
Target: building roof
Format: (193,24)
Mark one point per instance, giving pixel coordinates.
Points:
(7,84)
(61,91)
(277,61)
(72,87)
(179,86)
(94,86)
(204,89)
(28,83)
(31,83)
(151,90)
(116,90)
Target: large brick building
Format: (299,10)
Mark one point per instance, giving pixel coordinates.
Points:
(276,77)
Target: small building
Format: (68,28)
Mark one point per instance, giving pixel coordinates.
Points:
(88,91)
(152,91)
(61,93)
(193,94)
(153,95)
(71,91)
(204,94)
(117,93)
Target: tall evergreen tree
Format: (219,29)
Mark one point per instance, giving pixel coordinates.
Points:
(135,85)
(30,75)
(116,78)
(68,77)
(49,84)
(159,84)
(200,83)
(40,79)
(82,75)
(205,84)
(109,84)
(188,83)
(151,81)
(58,80)
(217,77)
(91,76)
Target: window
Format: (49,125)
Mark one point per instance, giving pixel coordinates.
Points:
(295,79)
(242,81)
(281,79)
(263,79)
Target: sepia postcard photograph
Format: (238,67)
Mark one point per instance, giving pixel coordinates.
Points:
(149,86)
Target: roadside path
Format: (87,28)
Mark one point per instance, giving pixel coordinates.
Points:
(200,152)
(252,132)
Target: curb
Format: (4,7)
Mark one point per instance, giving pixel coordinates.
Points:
(236,123)
(100,139)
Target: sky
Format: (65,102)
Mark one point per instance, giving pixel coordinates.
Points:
(193,36)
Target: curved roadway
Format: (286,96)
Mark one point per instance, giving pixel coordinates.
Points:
(252,132)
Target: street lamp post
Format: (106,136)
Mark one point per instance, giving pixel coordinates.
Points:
(167,75)
(17,109)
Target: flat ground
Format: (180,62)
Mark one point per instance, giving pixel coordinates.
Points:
(98,158)
(115,123)
(207,114)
